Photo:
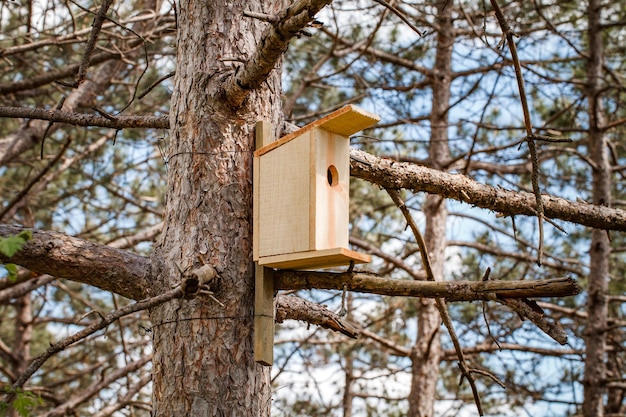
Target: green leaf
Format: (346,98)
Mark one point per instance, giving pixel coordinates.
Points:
(26,235)
(12,270)
(9,246)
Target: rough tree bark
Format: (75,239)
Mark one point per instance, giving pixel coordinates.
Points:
(597,303)
(427,352)
(203,357)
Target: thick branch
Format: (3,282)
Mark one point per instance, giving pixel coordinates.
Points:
(82,119)
(64,256)
(273,45)
(391,174)
(449,290)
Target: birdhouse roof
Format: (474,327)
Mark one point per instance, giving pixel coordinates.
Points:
(345,121)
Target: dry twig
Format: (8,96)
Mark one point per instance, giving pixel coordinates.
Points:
(91,43)
(440,302)
(509,34)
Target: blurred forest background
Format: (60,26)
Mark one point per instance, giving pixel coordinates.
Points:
(442,79)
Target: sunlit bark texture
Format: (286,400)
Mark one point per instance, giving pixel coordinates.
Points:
(203,358)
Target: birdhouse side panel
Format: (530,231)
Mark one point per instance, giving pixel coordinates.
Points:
(331,190)
(284,199)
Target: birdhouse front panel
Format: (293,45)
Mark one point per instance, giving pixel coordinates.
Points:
(285,203)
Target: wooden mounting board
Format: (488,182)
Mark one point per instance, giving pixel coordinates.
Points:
(263,278)
(315,259)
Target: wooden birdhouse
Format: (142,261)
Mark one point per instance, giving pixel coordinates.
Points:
(301,194)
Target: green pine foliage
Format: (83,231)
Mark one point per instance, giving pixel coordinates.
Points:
(25,403)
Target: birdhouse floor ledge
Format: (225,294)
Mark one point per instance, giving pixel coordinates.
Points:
(316,259)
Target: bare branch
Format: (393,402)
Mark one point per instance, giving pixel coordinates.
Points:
(93,86)
(96,26)
(397,349)
(145,235)
(23,275)
(35,179)
(530,137)
(296,308)
(450,354)
(439,302)
(82,119)
(24,288)
(394,261)
(76,36)
(551,328)
(563,266)
(392,174)
(125,400)
(53,75)
(64,256)
(401,15)
(30,134)
(449,290)
(384,56)
(273,45)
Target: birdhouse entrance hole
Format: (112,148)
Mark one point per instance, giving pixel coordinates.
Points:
(332,175)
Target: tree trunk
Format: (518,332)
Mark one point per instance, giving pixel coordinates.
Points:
(426,354)
(348,369)
(597,303)
(203,361)
(23,331)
